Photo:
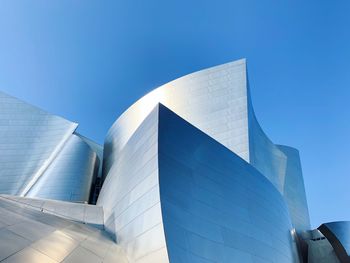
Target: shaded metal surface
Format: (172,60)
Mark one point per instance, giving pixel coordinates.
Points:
(281,165)
(294,190)
(31,236)
(215,206)
(319,248)
(97,178)
(338,234)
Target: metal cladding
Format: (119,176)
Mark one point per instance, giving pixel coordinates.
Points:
(193,198)
(188,176)
(217,101)
(319,248)
(337,234)
(224,209)
(70,175)
(31,236)
(40,156)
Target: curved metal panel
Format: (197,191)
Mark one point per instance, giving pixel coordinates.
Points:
(281,165)
(319,248)
(70,175)
(175,194)
(30,139)
(294,189)
(41,157)
(215,206)
(130,196)
(264,154)
(214,100)
(338,235)
(217,101)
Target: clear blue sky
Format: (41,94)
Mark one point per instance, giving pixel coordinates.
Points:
(89,60)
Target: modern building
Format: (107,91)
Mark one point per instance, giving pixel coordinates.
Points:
(186,174)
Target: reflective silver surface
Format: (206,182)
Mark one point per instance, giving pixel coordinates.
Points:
(30,139)
(281,165)
(30,236)
(173,194)
(215,206)
(217,101)
(84,213)
(70,175)
(214,100)
(130,196)
(40,156)
(200,182)
(338,235)
(319,248)
(294,189)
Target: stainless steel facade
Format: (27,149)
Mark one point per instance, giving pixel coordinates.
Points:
(215,206)
(214,100)
(70,175)
(217,101)
(188,176)
(130,196)
(319,248)
(337,234)
(193,198)
(40,156)
(30,236)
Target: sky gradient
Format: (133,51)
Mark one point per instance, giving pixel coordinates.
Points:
(89,60)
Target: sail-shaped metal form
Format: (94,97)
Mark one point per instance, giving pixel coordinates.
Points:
(40,156)
(186,174)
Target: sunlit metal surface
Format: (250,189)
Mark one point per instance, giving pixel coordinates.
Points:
(174,194)
(130,196)
(30,139)
(217,101)
(70,175)
(84,213)
(40,156)
(214,100)
(31,236)
(196,180)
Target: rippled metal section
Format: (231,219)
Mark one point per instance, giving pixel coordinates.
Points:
(70,175)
